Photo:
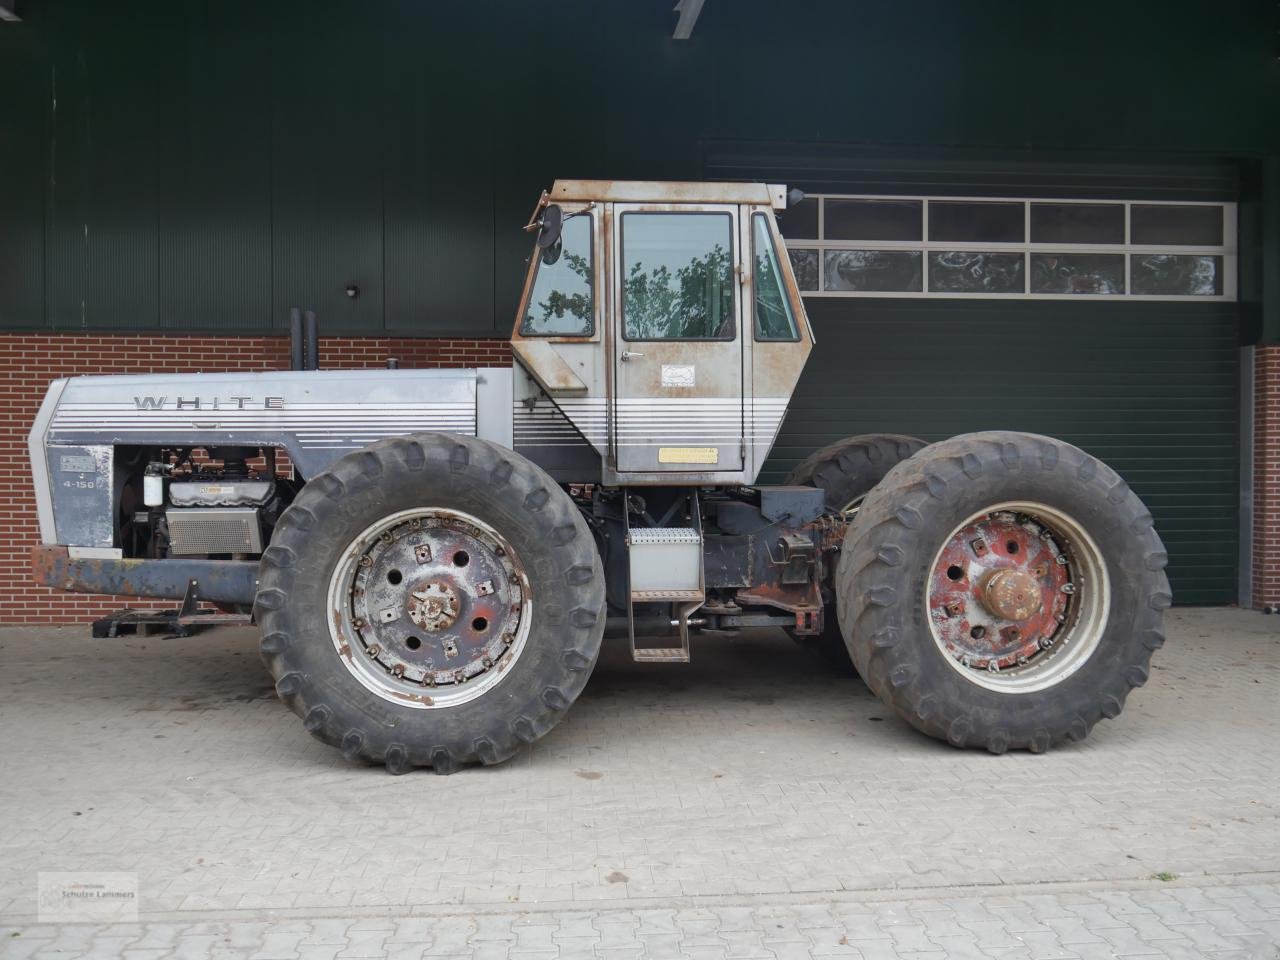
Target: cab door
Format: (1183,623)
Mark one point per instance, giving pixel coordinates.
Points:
(677,402)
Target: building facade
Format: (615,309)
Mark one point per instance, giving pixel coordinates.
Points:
(1062,220)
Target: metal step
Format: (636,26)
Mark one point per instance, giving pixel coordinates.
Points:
(660,655)
(662,596)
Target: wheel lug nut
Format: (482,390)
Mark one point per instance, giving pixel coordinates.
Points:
(954,608)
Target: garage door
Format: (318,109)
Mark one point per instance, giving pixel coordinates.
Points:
(1150,388)
(1091,302)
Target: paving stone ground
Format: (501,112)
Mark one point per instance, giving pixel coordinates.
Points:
(749,804)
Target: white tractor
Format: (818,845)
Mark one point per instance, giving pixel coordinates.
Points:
(436,564)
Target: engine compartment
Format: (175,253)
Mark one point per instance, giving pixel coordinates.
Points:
(219,502)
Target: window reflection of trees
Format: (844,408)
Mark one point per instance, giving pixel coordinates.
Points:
(1185,275)
(804,263)
(772,315)
(695,302)
(559,302)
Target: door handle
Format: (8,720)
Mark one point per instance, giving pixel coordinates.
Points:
(630,355)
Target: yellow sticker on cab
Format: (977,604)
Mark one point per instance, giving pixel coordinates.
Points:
(689,455)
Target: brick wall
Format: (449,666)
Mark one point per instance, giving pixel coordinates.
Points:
(1266,477)
(29,361)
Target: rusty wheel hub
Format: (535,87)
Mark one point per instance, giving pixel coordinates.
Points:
(430,606)
(1010,589)
(434,608)
(1012,594)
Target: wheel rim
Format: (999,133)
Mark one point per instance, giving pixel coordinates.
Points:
(850,510)
(429,607)
(1018,597)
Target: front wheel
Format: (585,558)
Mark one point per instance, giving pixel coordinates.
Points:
(431,601)
(1003,590)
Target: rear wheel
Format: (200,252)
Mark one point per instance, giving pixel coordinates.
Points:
(846,471)
(1003,590)
(431,601)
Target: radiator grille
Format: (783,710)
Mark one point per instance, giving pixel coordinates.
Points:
(214,530)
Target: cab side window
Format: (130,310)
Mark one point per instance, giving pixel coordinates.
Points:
(773,317)
(561,303)
(677,276)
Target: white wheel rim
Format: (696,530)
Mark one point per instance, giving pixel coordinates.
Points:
(429,608)
(979,631)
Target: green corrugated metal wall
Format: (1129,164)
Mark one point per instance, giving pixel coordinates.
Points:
(209,163)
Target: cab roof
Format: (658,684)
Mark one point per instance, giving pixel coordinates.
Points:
(668,191)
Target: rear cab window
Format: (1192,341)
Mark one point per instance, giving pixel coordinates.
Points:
(774,319)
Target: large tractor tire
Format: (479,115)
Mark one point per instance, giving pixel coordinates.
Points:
(846,471)
(431,601)
(1003,591)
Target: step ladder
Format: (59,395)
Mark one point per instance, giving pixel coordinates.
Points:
(664,565)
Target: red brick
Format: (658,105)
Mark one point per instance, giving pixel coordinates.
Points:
(1266,477)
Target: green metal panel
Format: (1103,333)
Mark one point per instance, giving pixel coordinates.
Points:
(215,176)
(439,167)
(819,167)
(23,115)
(1150,388)
(103,204)
(328,135)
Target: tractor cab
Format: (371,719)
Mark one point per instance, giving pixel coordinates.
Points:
(660,332)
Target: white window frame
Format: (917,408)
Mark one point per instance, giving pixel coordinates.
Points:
(1227,251)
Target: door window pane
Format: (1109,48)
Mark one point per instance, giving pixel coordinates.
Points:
(956,271)
(804,264)
(872,220)
(677,276)
(772,305)
(561,302)
(961,220)
(879,271)
(1162,274)
(1098,273)
(1077,223)
(800,222)
(1193,226)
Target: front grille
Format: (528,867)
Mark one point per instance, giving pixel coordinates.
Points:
(198,530)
